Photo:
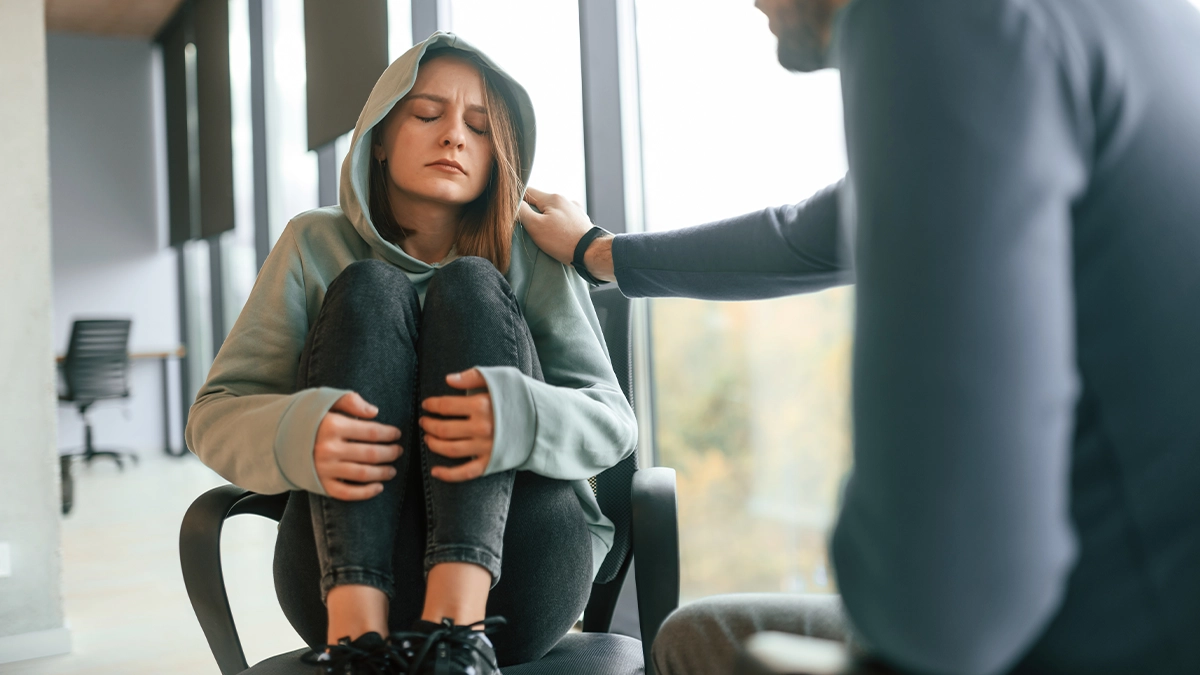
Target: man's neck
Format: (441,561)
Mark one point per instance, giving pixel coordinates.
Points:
(430,228)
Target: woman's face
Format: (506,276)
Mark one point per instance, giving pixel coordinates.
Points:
(435,139)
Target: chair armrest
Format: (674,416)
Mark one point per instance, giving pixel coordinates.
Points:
(200,558)
(655,532)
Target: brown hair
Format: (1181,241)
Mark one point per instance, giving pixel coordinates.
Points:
(487,226)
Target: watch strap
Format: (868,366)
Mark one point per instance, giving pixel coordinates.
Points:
(581,249)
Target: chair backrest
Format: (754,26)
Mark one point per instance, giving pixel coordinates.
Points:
(613,486)
(97,362)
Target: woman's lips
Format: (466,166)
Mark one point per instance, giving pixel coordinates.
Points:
(448,166)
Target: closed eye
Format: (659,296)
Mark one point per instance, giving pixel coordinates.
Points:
(478,132)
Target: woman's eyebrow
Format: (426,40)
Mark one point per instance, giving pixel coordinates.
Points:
(443,100)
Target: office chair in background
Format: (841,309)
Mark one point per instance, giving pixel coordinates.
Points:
(96,367)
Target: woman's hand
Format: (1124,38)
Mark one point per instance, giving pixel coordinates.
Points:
(469,436)
(353,456)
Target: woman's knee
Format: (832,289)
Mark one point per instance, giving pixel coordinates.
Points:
(372,289)
(468,282)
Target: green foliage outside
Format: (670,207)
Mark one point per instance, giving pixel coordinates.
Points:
(751,404)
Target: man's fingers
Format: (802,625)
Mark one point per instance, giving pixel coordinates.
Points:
(457,449)
(362,473)
(467,379)
(352,493)
(535,196)
(356,406)
(365,431)
(526,214)
(457,474)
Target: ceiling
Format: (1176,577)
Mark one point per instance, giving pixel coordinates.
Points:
(126,18)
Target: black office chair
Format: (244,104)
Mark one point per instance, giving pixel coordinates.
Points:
(641,503)
(96,367)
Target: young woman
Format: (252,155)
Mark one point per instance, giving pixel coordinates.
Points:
(433,388)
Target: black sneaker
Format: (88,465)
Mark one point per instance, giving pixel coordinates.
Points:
(446,648)
(368,655)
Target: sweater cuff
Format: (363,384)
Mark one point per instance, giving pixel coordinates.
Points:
(514,418)
(296,436)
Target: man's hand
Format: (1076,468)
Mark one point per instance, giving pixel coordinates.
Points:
(352,455)
(558,228)
(468,436)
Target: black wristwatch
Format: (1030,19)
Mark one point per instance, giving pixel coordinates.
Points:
(581,248)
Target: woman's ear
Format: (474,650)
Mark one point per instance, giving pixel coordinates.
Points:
(377,151)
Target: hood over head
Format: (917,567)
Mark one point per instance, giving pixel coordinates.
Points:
(393,85)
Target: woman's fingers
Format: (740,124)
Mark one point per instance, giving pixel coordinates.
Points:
(467,379)
(362,473)
(463,472)
(455,430)
(356,406)
(368,453)
(365,431)
(459,406)
(351,493)
(470,447)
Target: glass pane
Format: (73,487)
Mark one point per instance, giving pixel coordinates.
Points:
(238,263)
(399,13)
(291,167)
(549,69)
(751,399)
(198,306)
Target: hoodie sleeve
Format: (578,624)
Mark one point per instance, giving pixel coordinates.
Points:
(248,423)
(785,250)
(577,423)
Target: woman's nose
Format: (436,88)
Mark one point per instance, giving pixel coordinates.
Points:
(454,136)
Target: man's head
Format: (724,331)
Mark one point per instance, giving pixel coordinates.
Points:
(804,28)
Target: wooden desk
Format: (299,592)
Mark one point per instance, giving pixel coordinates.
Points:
(162,357)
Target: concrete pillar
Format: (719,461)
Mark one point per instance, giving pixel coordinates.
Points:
(31,608)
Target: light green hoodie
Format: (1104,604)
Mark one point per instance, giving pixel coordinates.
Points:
(249,425)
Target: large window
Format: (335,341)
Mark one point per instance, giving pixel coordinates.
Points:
(751,399)
(238,261)
(291,166)
(537,42)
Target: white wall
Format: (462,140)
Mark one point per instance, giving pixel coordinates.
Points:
(31,615)
(108,218)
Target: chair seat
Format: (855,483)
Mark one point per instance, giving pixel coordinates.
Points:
(575,654)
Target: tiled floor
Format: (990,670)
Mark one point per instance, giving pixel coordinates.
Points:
(125,602)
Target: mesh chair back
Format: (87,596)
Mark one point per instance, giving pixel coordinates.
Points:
(612,486)
(97,362)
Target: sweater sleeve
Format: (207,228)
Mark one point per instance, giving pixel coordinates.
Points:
(775,252)
(248,423)
(955,543)
(577,423)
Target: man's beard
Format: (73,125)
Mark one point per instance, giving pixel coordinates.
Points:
(803,46)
